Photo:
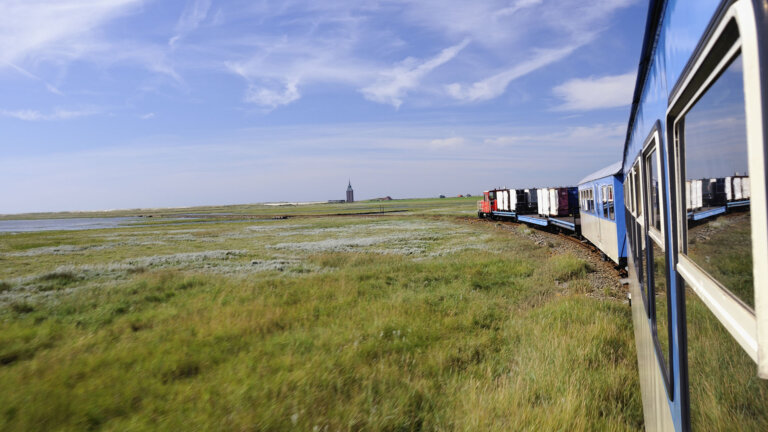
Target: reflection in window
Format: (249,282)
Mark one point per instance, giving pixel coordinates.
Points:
(715,151)
(641,265)
(611,209)
(660,298)
(724,391)
(653,193)
(638,198)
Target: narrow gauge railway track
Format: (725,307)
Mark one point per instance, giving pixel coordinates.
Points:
(598,257)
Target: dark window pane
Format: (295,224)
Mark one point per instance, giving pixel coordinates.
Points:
(715,150)
(660,299)
(638,197)
(725,394)
(642,262)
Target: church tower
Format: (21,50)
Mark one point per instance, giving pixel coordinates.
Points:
(350,193)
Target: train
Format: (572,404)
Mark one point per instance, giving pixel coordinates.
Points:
(685,210)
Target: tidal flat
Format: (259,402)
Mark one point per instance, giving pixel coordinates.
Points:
(398,322)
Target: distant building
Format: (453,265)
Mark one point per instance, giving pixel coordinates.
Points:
(350,193)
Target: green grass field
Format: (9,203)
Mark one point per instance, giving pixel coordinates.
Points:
(339,323)
(413,321)
(464,205)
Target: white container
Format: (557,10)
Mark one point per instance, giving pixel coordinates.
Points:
(544,202)
(729,188)
(512,199)
(737,192)
(698,194)
(539,202)
(553,202)
(688,197)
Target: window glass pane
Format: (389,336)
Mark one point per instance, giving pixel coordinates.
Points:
(660,299)
(715,148)
(611,204)
(641,264)
(638,198)
(653,192)
(725,394)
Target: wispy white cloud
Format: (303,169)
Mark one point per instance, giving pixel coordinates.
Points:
(374,47)
(31,28)
(339,43)
(495,85)
(444,143)
(515,7)
(273,98)
(591,140)
(584,94)
(147,116)
(57,114)
(194,13)
(59,32)
(393,84)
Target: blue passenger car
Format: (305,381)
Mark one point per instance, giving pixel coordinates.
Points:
(699,112)
(601,224)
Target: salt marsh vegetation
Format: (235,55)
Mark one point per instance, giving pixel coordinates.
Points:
(333,323)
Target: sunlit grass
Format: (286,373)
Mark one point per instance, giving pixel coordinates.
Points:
(429,327)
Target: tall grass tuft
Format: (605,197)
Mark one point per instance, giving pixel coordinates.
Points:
(568,267)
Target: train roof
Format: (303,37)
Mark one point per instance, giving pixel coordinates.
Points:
(610,170)
(652,23)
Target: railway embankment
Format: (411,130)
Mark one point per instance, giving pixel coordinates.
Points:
(604,276)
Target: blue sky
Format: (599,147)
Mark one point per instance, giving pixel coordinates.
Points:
(135,103)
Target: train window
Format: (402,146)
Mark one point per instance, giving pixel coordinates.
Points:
(607,199)
(638,200)
(584,200)
(654,212)
(640,265)
(658,287)
(657,262)
(611,205)
(631,197)
(714,141)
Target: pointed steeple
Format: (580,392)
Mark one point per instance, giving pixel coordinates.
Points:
(350,192)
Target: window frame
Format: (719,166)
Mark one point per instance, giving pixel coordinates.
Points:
(639,233)
(612,201)
(652,148)
(734,35)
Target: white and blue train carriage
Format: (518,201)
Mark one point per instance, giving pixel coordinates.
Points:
(601,224)
(697,251)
